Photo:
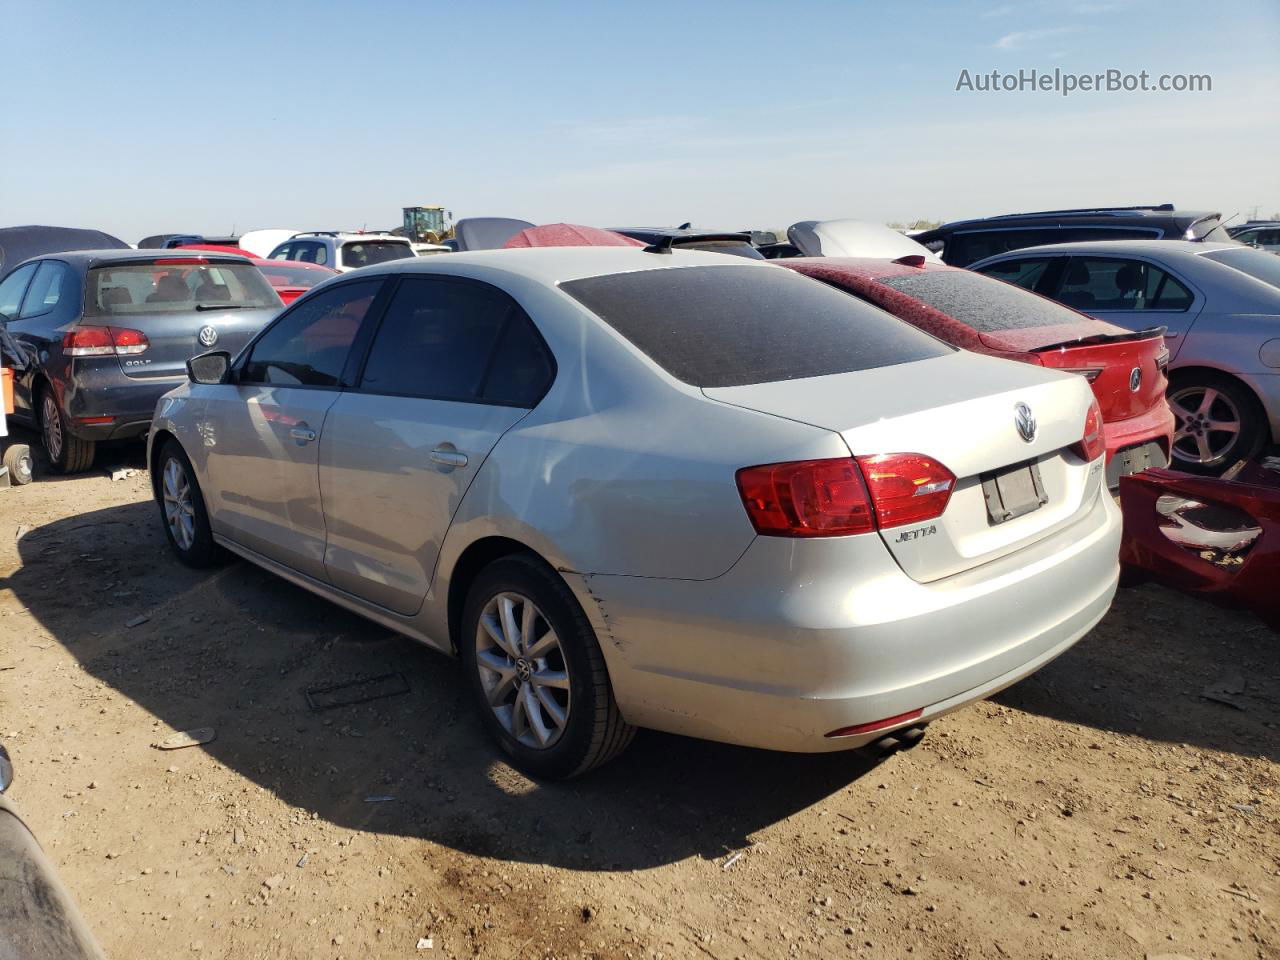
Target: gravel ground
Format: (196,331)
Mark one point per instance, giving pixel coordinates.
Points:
(1102,808)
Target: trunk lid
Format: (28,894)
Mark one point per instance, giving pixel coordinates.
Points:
(183,304)
(959,410)
(1128,371)
(175,338)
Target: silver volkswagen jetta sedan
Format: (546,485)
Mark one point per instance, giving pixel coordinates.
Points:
(669,490)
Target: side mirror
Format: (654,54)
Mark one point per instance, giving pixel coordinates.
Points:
(6,769)
(209,368)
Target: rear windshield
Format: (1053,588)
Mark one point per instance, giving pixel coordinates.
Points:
(280,275)
(731,326)
(1258,264)
(980,302)
(737,248)
(175,286)
(365,253)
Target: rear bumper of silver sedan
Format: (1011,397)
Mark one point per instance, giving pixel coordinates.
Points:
(804,638)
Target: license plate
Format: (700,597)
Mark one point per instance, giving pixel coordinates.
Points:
(1013,492)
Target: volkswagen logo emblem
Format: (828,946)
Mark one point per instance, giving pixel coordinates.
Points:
(1135,379)
(1025,421)
(208,336)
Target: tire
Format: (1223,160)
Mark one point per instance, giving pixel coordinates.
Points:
(1202,397)
(182,510)
(66,453)
(591,731)
(18,459)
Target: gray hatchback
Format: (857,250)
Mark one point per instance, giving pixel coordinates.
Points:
(110,331)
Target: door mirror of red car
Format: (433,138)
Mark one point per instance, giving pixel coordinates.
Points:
(209,368)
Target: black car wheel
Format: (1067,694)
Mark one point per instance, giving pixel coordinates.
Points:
(537,673)
(67,453)
(182,510)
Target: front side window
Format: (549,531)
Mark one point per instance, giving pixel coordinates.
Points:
(283,252)
(13,288)
(177,285)
(47,288)
(308,345)
(1111,284)
(963,249)
(446,340)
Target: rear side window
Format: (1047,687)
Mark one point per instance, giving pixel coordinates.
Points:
(981,302)
(366,253)
(451,340)
(731,326)
(178,285)
(1095,285)
(308,345)
(12,289)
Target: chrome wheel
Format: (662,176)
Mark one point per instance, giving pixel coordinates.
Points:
(51,420)
(179,510)
(1209,424)
(523,670)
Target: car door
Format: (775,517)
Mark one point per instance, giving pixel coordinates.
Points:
(1130,292)
(453,366)
(260,433)
(52,302)
(13,290)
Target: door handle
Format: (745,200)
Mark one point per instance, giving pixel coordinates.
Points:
(448,457)
(302,434)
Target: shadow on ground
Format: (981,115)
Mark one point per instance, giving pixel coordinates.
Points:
(236,648)
(1144,671)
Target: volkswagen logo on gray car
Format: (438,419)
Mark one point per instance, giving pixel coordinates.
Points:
(1025,421)
(208,336)
(1135,379)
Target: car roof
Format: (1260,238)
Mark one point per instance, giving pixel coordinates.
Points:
(1113,216)
(553,265)
(653,234)
(1154,248)
(867,268)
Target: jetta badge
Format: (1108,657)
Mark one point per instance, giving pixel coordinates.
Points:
(208,336)
(1135,379)
(1025,421)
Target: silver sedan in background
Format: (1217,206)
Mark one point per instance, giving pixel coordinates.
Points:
(670,490)
(1221,305)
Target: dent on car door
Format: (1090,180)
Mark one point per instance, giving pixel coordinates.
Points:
(454,365)
(261,432)
(1131,293)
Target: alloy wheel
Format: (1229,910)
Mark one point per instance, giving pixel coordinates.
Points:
(523,670)
(1209,423)
(52,423)
(179,510)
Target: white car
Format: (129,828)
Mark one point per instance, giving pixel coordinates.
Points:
(855,238)
(343,251)
(671,489)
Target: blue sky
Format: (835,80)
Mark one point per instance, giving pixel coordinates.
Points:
(147,117)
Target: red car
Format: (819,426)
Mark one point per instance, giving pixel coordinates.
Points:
(968,310)
(289,278)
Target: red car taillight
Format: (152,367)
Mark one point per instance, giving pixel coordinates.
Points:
(833,498)
(907,487)
(1094,442)
(103,342)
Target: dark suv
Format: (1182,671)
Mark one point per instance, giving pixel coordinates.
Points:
(968,241)
(110,331)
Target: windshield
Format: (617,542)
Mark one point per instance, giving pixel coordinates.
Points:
(983,303)
(175,286)
(293,275)
(365,253)
(736,325)
(1258,264)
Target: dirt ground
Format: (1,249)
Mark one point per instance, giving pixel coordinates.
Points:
(1103,808)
